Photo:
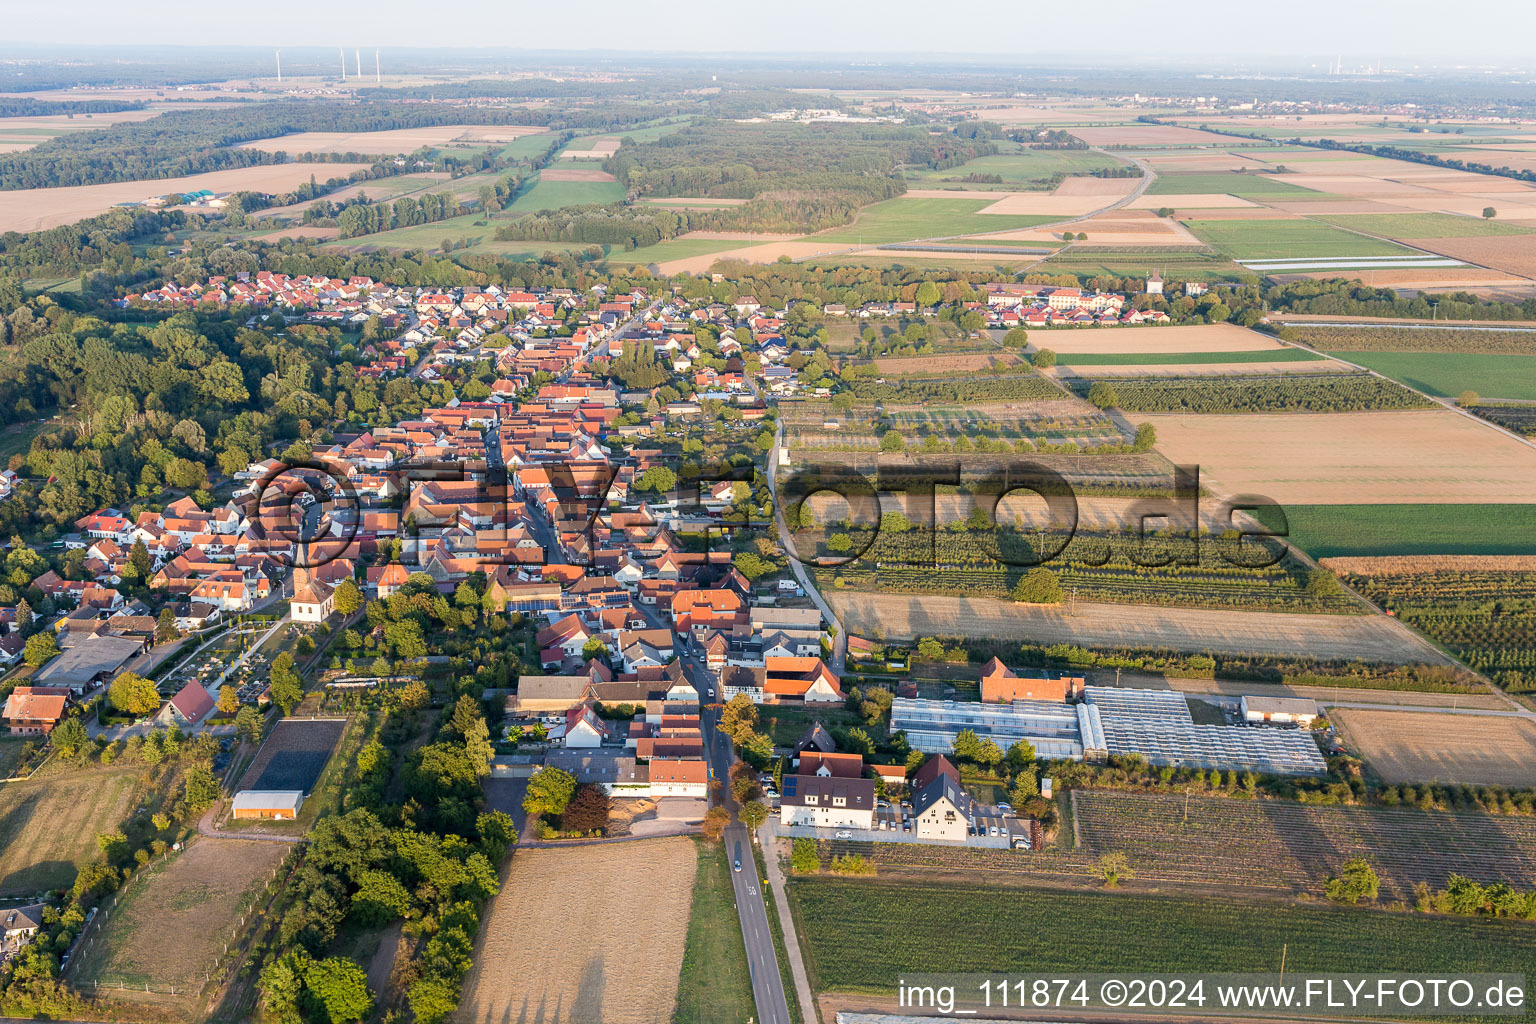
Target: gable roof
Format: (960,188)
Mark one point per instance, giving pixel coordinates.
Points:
(932,768)
(192,702)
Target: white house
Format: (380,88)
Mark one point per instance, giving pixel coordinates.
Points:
(827,801)
(941,810)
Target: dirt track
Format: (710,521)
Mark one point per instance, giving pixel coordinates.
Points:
(1373,637)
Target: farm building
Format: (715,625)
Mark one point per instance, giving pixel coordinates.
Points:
(1154,724)
(277,804)
(1300,711)
(89,661)
(34,710)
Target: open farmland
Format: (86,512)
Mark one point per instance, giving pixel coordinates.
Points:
(1373,638)
(199,897)
(1406,746)
(1489,340)
(1440,528)
(1410,456)
(1154,339)
(391,141)
(1513,255)
(906,218)
(48,826)
(1289,239)
(1294,847)
(1183,188)
(915,928)
(293,755)
(613,959)
(34,208)
(1449,374)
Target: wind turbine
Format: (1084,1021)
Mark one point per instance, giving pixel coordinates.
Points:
(279,67)
(343,53)
(377,78)
(357,55)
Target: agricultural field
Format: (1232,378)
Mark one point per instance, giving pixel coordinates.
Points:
(1241,185)
(1491,340)
(1318,393)
(715,986)
(1293,847)
(904,219)
(293,755)
(198,896)
(35,208)
(1405,746)
(613,958)
(555,195)
(1018,169)
(1409,456)
(916,928)
(1288,239)
(1449,374)
(1425,225)
(1448,528)
(1154,339)
(1123,626)
(1253,355)
(1486,617)
(1519,419)
(392,141)
(48,826)
(1019,387)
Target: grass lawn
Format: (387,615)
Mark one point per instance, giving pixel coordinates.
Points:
(16,439)
(1449,374)
(914,929)
(1281,355)
(1280,239)
(10,754)
(48,826)
(787,725)
(1326,530)
(902,219)
(1020,167)
(555,195)
(1426,225)
(1230,184)
(714,986)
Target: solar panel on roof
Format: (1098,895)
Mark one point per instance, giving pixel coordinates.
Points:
(789,785)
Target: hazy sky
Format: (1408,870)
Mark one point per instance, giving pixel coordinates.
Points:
(1303,31)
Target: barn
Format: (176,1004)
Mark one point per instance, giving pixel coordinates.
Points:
(277,804)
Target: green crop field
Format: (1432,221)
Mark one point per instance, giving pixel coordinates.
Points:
(526,147)
(1230,184)
(1263,355)
(1278,239)
(1426,225)
(914,928)
(1326,530)
(675,249)
(901,220)
(1448,374)
(1023,166)
(555,195)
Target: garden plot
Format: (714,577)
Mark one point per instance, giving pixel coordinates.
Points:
(293,755)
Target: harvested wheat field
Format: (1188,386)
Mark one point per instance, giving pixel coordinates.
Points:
(1372,637)
(1398,565)
(1325,207)
(1429,277)
(1468,206)
(1410,746)
(1183,160)
(1326,694)
(1513,254)
(741,236)
(394,140)
(1119,227)
(1183,338)
(614,956)
(752,254)
(575,174)
(1147,135)
(198,897)
(1037,204)
(34,208)
(1431,456)
(1088,185)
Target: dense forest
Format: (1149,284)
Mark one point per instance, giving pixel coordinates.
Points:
(26,106)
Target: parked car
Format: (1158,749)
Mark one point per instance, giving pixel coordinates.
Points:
(845,834)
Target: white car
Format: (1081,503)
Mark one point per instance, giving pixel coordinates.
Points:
(845,834)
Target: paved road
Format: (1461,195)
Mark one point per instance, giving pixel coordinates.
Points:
(762,963)
(762,960)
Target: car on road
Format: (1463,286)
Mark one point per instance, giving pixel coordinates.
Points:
(737,865)
(845,834)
